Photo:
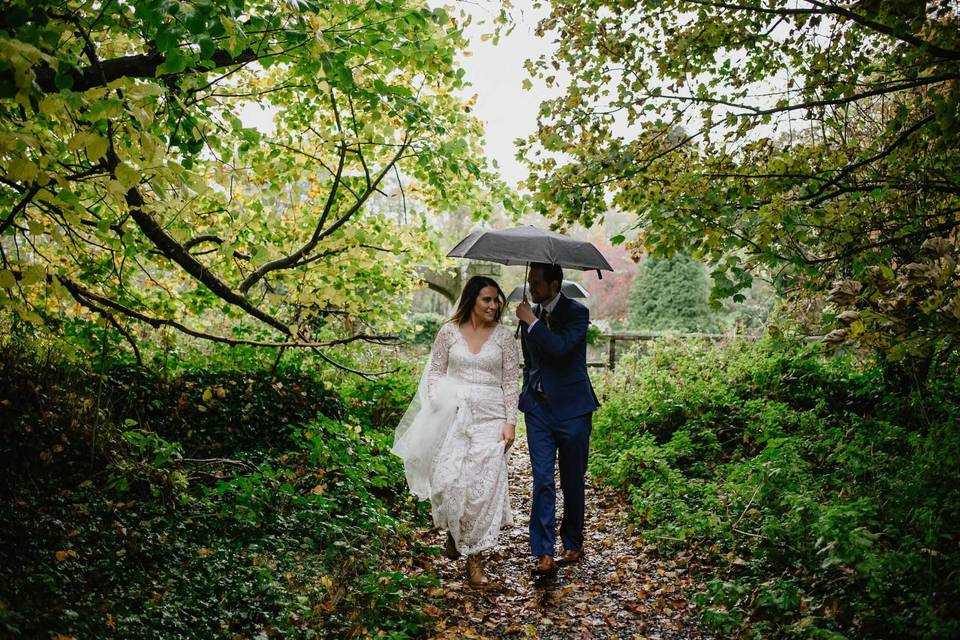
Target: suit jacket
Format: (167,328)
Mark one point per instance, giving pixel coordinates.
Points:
(559,353)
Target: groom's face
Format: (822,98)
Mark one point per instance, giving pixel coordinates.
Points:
(540,290)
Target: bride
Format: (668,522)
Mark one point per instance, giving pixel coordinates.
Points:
(455,436)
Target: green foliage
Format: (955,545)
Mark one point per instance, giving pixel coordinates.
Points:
(381,402)
(133,513)
(670,294)
(752,314)
(594,335)
(151,460)
(820,501)
(147,202)
(817,142)
(425,327)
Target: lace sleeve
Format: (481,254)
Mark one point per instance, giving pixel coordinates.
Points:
(510,373)
(439,355)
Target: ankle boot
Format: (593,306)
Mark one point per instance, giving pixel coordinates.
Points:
(475,574)
(450,548)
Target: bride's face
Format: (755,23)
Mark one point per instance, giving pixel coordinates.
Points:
(487,305)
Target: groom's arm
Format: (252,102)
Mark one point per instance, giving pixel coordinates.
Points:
(561,341)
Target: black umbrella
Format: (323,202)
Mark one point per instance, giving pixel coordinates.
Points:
(523,245)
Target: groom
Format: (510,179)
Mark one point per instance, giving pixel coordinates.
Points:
(558,401)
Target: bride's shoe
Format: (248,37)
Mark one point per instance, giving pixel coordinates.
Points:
(475,575)
(450,548)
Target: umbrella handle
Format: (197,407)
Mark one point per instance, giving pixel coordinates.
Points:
(526,265)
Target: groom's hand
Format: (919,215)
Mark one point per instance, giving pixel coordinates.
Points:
(525,312)
(508,434)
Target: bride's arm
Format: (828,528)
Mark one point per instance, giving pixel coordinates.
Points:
(510,374)
(439,354)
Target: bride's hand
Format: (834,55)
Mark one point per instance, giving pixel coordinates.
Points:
(508,434)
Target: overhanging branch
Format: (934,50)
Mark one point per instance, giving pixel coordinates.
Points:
(302,255)
(296,256)
(96,302)
(142,65)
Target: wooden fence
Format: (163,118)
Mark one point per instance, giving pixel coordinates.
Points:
(631,336)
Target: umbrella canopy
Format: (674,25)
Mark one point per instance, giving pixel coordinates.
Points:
(568,288)
(523,245)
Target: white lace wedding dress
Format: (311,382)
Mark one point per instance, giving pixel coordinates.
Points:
(468,474)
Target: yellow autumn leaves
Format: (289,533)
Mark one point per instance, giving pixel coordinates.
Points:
(65,554)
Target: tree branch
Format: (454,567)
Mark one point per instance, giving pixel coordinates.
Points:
(192,242)
(752,111)
(879,27)
(946,226)
(829,9)
(301,255)
(847,170)
(27,197)
(143,65)
(175,252)
(757,9)
(116,325)
(94,301)
(296,256)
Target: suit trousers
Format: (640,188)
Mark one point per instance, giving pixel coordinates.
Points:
(562,444)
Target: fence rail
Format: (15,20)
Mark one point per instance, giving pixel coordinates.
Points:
(634,336)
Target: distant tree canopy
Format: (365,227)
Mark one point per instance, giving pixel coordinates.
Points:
(607,299)
(131,188)
(817,139)
(670,294)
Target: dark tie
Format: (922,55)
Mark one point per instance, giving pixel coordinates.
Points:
(543,316)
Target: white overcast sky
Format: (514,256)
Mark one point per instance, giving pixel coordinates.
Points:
(496,74)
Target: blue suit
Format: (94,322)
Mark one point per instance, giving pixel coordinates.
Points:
(559,421)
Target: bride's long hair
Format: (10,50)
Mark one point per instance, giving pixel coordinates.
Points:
(468,298)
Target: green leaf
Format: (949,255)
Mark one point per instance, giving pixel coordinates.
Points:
(175,62)
(32,275)
(95,145)
(127,176)
(207,47)
(63,80)
(7,279)
(166,40)
(22,170)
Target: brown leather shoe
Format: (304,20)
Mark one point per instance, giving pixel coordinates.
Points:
(476,576)
(545,564)
(569,556)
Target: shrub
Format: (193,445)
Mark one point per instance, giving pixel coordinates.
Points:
(381,402)
(212,504)
(425,327)
(825,501)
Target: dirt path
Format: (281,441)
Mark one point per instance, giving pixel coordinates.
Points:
(616,591)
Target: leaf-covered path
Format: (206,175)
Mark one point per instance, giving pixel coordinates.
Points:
(616,591)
